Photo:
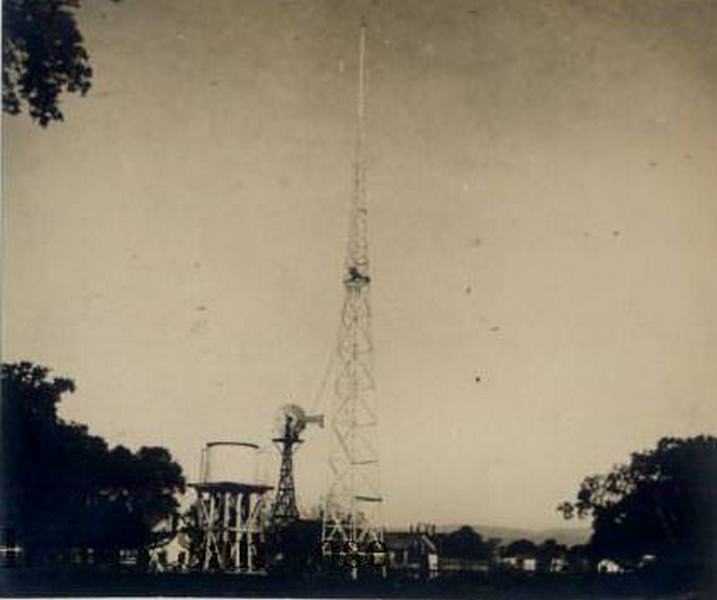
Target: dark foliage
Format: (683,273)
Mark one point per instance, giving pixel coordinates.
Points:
(465,543)
(43,56)
(522,548)
(64,488)
(663,503)
(549,550)
(294,549)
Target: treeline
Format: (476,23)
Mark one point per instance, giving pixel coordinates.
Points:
(64,489)
(466,544)
(656,511)
(659,508)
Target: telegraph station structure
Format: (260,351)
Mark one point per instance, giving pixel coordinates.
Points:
(231,510)
(234,514)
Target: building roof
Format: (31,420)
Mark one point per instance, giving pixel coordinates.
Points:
(402,540)
(229,486)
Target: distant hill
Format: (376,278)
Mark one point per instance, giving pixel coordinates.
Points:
(570,536)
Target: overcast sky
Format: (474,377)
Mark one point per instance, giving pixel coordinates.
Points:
(541,181)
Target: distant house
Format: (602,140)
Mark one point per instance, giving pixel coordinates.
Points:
(580,559)
(171,551)
(464,550)
(10,551)
(528,564)
(171,555)
(558,564)
(451,564)
(520,555)
(412,553)
(646,561)
(607,565)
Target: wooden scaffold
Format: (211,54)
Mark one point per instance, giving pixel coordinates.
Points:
(232,522)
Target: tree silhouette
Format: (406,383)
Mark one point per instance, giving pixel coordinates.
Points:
(662,503)
(63,488)
(548,551)
(521,548)
(293,549)
(43,55)
(465,543)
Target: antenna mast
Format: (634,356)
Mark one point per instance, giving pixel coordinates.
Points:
(351,530)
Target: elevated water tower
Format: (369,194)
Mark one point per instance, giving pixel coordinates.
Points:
(231,508)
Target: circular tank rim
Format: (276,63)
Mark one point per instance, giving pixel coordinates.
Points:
(244,444)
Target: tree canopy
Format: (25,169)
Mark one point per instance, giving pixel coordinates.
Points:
(465,543)
(43,56)
(65,488)
(663,503)
(521,547)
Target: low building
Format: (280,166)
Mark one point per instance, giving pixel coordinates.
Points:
(558,564)
(451,564)
(170,556)
(607,565)
(411,553)
(528,564)
(11,553)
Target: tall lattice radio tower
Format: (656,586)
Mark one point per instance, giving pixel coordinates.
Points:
(352,531)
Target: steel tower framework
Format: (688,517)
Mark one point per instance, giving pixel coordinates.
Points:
(292,420)
(351,529)
(285,510)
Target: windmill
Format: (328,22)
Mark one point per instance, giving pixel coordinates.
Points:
(291,421)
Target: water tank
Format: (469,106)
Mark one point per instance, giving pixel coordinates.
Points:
(230,462)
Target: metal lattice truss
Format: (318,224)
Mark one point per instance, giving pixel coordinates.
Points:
(352,514)
(285,510)
(352,510)
(232,520)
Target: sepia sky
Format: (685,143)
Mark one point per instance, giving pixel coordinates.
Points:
(541,181)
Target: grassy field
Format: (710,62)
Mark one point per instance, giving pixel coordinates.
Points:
(44,583)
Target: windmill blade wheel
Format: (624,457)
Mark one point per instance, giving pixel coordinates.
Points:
(293,416)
